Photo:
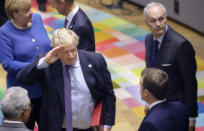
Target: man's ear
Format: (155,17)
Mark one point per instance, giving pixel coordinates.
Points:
(147,23)
(146,92)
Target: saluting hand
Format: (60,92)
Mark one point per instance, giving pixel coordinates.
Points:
(54,54)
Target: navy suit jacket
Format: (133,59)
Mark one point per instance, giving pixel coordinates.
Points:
(82,26)
(176,57)
(97,78)
(13,127)
(166,116)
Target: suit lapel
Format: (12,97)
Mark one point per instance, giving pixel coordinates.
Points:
(86,68)
(74,19)
(149,49)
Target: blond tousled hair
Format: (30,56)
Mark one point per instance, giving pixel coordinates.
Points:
(12,6)
(64,36)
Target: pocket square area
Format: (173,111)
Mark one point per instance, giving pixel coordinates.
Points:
(166,64)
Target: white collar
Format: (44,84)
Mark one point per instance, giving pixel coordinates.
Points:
(7,121)
(77,62)
(155,103)
(160,39)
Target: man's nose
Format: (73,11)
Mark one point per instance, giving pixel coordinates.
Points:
(71,55)
(157,22)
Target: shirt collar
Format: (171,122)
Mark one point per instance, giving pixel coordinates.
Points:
(162,36)
(72,14)
(155,103)
(77,62)
(7,121)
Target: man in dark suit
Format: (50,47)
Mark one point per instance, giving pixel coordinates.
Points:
(90,84)
(162,115)
(16,108)
(174,54)
(77,21)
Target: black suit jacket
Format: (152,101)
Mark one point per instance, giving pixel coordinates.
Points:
(176,57)
(82,26)
(166,116)
(97,78)
(13,127)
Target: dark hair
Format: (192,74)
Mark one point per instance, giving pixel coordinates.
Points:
(70,1)
(156,82)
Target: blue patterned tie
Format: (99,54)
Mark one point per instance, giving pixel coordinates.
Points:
(154,52)
(67,96)
(65,23)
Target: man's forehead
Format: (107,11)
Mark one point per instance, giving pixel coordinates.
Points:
(155,11)
(71,47)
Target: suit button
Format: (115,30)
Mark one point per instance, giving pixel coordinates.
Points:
(37,47)
(33,39)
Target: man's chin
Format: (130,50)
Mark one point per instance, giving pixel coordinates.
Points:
(69,63)
(159,33)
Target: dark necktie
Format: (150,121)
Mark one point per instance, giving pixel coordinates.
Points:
(65,23)
(154,52)
(67,96)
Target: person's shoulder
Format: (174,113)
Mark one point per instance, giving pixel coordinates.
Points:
(5,26)
(22,129)
(82,15)
(177,105)
(5,127)
(80,11)
(6,30)
(175,36)
(148,36)
(35,15)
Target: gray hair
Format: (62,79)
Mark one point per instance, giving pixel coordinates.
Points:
(14,100)
(153,4)
(64,36)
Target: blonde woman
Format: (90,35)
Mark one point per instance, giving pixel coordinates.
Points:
(22,37)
